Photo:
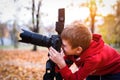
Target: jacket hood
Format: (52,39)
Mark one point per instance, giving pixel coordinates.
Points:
(95,47)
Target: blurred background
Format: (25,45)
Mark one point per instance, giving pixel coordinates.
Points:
(101,16)
(21,61)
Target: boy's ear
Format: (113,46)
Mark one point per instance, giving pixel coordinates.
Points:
(79,49)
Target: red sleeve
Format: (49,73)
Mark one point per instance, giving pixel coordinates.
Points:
(69,61)
(81,74)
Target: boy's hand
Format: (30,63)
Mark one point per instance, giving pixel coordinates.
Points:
(57,57)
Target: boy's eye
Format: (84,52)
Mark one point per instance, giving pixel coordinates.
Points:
(63,45)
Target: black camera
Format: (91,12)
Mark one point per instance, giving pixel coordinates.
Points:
(41,40)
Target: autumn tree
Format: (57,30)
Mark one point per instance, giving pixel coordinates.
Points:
(117,25)
(93,9)
(111,27)
(2,34)
(107,29)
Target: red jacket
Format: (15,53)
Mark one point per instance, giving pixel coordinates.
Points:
(98,59)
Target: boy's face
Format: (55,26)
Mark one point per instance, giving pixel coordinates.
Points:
(68,50)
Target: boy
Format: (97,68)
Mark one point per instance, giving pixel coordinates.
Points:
(95,59)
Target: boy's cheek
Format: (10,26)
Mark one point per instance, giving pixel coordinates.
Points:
(64,52)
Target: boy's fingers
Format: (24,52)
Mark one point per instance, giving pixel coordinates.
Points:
(50,51)
(53,50)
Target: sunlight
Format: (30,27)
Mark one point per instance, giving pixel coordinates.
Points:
(107,9)
(76,13)
(49,10)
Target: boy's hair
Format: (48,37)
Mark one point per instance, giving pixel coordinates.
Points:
(77,34)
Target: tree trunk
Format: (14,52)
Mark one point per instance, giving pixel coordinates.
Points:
(35,28)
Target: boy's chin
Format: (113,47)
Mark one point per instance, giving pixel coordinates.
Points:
(66,54)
